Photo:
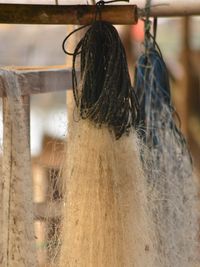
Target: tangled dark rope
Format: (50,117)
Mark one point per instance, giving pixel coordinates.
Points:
(104,93)
(153,91)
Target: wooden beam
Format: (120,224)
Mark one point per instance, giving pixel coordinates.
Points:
(169,8)
(65,14)
(17,214)
(84,14)
(39,80)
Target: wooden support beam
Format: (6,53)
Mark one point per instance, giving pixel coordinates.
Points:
(84,14)
(75,14)
(169,8)
(17,217)
(40,80)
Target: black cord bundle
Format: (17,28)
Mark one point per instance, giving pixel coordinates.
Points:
(104,95)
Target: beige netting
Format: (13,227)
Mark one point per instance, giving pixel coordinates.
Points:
(109,213)
(105,217)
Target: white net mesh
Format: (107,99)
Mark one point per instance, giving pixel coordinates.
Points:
(173,199)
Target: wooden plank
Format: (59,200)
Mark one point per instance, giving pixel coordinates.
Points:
(39,80)
(6,183)
(169,8)
(17,214)
(65,14)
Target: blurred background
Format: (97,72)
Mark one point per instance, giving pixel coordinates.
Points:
(33,45)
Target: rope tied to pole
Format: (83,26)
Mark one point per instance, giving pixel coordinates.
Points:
(103,94)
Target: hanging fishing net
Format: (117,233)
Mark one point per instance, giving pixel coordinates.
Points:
(106,221)
(103,196)
(167,163)
(105,217)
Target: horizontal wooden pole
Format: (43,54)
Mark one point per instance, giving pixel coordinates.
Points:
(65,14)
(84,14)
(169,8)
(40,80)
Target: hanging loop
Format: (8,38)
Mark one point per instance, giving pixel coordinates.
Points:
(155,24)
(67,37)
(98,10)
(101,3)
(149,37)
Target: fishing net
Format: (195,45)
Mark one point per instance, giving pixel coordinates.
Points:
(103,197)
(105,217)
(167,163)
(106,221)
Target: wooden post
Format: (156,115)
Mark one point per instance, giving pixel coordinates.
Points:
(184,84)
(6,169)
(17,227)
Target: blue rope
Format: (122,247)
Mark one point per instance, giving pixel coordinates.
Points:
(153,91)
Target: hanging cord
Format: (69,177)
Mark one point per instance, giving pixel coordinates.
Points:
(155,24)
(147,26)
(152,38)
(146,12)
(147,19)
(103,91)
(98,10)
(153,91)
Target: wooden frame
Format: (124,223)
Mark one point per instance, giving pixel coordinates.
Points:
(36,80)
(33,80)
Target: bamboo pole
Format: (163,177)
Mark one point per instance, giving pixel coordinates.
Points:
(84,14)
(169,8)
(187,74)
(56,14)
